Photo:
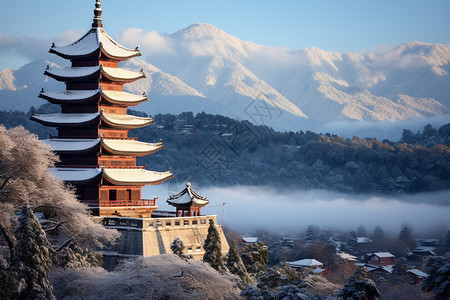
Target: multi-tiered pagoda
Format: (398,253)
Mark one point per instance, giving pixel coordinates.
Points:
(96,154)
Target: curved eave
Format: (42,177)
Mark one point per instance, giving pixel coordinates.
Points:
(121,75)
(123,98)
(113,49)
(72,73)
(93,54)
(77,176)
(130,147)
(73,146)
(135,177)
(116,57)
(71,97)
(124,121)
(195,203)
(66,120)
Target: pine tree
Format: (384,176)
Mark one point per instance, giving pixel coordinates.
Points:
(177,246)
(405,233)
(352,242)
(361,231)
(438,280)
(359,287)
(213,249)
(378,233)
(310,235)
(33,260)
(447,241)
(235,264)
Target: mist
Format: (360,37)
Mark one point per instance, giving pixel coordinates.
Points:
(249,208)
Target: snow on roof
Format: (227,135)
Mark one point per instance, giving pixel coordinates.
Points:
(383,254)
(119,74)
(72,145)
(119,97)
(94,40)
(72,73)
(130,147)
(347,256)
(418,273)
(364,240)
(75,175)
(60,119)
(318,270)
(187,197)
(135,176)
(125,121)
(310,262)
(71,96)
(250,239)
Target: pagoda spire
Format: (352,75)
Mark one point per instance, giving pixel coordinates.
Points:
(97,15)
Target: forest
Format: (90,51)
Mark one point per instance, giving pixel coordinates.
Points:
(217,150)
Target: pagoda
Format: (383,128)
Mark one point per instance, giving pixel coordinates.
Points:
(187,202)
(96,154)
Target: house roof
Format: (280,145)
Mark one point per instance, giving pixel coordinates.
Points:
(364,240)
(135,176)
(382,254)
(72,145)
(119,97)
(310,262)
(418,273)
(83,73)
(250,239)
(187,197)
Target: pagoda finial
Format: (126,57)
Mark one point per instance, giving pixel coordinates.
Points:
(97,15)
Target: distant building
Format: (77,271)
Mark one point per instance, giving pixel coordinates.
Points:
(306,263)
(381,259)
(416,276)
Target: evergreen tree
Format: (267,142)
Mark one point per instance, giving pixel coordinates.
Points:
(310,235)
(361,231)
(213,249)
(32,263)
(235,264)
(177,246)
(447,241)
(438,280)
(255,257)
(359,287)
(405,233)
(378,233)
(351,242)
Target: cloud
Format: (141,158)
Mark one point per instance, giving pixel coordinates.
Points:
(150,41)
(28,47)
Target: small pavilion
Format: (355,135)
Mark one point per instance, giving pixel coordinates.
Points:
(188,202)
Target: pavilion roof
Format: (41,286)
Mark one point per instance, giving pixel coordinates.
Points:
(76,175)
(125,121)
(66,120)
(187,197)
(130,147)
(135,176)
(96,40)
(72,145)
(84,73)
(119,97)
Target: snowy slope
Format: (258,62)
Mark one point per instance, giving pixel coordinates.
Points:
(206,69)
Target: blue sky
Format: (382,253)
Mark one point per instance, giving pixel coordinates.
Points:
(341,26)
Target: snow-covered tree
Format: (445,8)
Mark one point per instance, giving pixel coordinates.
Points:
(235,264)
(255,257)
(310,235)
(447,241)
(29,270)
(361,231)
(351,243)
(177,246)
(405,233)
(24,180)
(378,233)
(359,287)
(438,280)
(213,249)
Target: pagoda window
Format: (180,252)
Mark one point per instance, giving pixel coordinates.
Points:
(136,194)
(112,194)
(121,195)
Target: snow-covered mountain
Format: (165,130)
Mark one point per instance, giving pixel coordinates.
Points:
(206,69)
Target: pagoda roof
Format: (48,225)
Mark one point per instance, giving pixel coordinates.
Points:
(71,96)
(83,73)
(76,175)
(66,120)
(187,197)
(119,97)
(135,176)
(92,96)
(96,40)
(130,147)
(125,121)
(72,145)
(119,74)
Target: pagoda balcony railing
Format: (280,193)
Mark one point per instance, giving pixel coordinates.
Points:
(118,203)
